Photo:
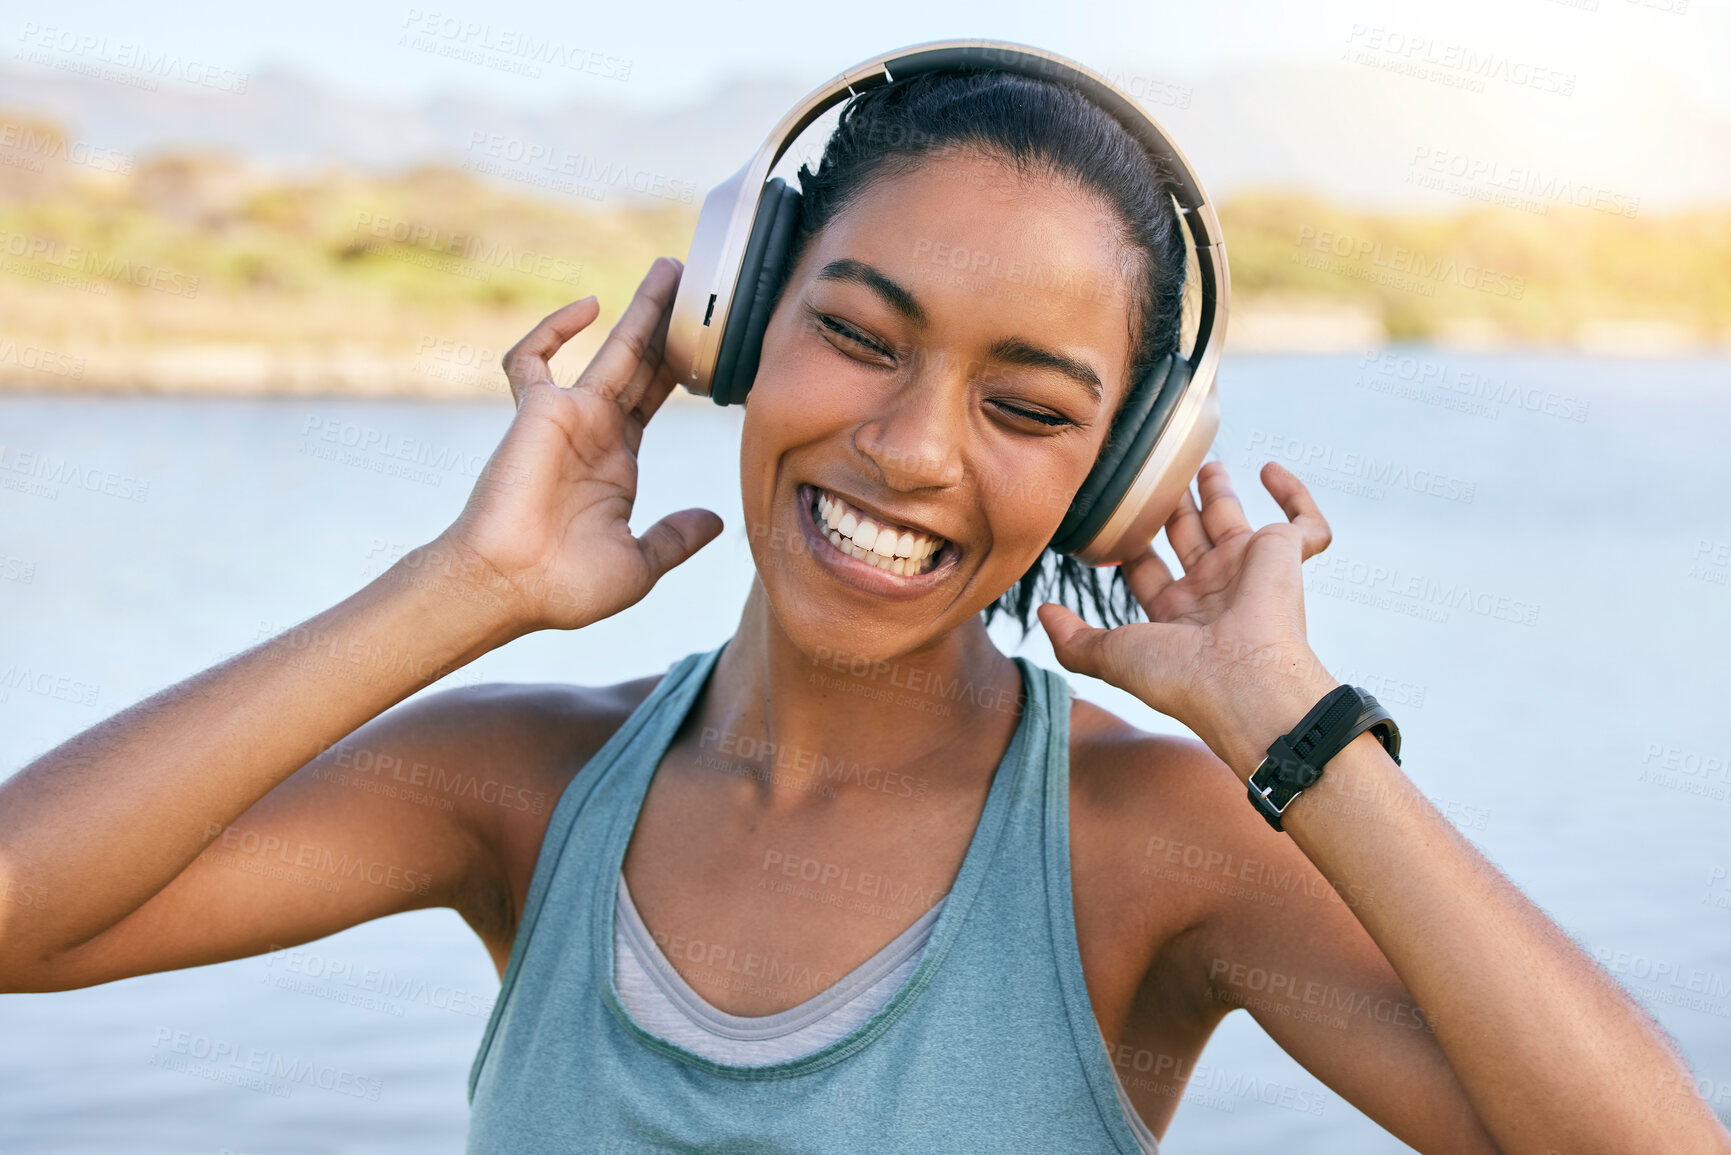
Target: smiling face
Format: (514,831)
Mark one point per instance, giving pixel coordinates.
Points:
(935,384)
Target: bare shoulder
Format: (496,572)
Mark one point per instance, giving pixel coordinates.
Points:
(1114,763)
(512,750)
(1144,802)
(1161,838)
(1129,785)
(1164,839)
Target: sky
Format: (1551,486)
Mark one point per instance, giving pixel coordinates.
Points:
(657,55)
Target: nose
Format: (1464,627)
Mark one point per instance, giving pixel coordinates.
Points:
(916,441)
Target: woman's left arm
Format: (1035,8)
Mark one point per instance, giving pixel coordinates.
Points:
(1552,1055)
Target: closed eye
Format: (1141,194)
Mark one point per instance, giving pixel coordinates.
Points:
(1034,415)
(849,333)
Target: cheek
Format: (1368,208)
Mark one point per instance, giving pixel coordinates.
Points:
(1026,495)
(791,405)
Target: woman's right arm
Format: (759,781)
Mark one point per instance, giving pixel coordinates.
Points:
(241,809)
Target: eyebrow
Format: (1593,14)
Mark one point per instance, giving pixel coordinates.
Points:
(1013,350)
(1019,352)
(860,273)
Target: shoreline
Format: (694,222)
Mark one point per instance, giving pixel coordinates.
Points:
(235,369)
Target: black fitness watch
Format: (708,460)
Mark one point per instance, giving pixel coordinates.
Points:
(1295,759)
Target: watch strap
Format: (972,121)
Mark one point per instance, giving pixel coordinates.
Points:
(1295,760)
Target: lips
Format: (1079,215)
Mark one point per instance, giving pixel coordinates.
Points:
(903,551)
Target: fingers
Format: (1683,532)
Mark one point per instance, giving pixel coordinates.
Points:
(1300,508)
(1078,646)
(1146,576)
(651,385)
(675,538)
(629,357)
(1184,529)
(1222,516)
(526,362)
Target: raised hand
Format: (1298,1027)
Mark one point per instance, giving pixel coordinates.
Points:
(1224,648)
(546,530)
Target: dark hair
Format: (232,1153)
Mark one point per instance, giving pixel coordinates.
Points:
(1037,127)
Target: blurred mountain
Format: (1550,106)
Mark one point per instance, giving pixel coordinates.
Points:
(284,123)
(1353,132)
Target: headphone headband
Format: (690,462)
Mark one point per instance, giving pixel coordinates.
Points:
(1116,514)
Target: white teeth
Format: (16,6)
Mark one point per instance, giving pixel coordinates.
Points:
(901,552)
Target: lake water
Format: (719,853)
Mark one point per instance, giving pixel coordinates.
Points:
(1531,567)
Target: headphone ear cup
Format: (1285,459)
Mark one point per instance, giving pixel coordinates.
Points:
(760,276)
(1136,430)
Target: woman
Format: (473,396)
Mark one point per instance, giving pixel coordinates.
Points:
(856,880)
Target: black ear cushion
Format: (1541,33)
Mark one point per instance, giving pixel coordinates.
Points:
(760,275)
(1138,426)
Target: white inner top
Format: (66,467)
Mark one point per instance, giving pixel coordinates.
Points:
(665,1005)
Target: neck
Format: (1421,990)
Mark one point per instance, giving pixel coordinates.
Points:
(832,725)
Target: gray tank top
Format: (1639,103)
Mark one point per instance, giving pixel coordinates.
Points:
(988,1044)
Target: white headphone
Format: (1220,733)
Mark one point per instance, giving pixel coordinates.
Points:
(734,269)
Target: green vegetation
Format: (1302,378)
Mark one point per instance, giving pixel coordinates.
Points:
(196,252)
(1536,278)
